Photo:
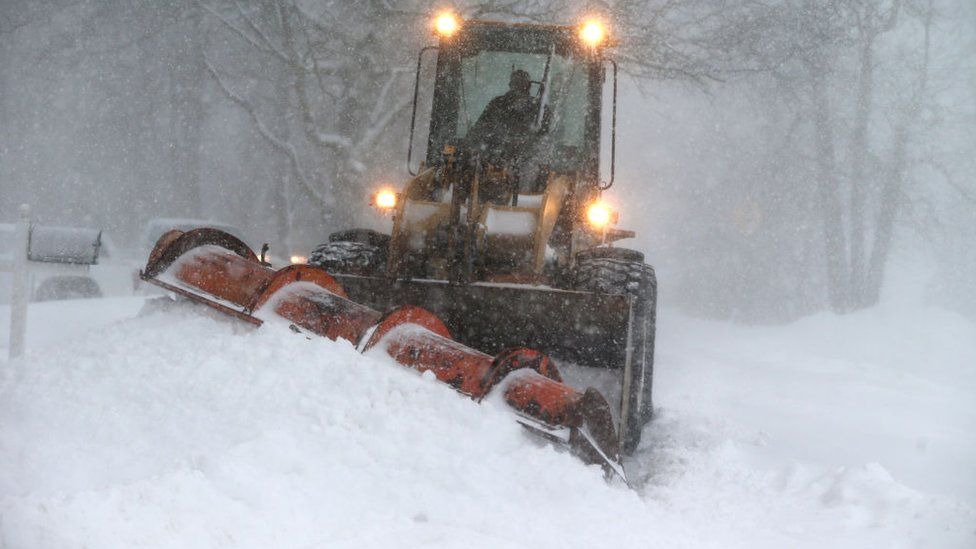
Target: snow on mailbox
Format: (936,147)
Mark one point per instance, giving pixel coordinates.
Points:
(69,245)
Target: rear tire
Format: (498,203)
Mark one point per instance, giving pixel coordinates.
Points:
(622,271)
(356,252)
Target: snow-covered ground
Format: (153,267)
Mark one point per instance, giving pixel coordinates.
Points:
(184,429)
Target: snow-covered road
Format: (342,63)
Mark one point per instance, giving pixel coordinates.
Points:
(182,429)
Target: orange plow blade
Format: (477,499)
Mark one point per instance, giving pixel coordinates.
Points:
(216,269)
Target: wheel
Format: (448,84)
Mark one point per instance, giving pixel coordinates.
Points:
(365,236)
(619,254)
(67,287)
(357,252)
(622,271)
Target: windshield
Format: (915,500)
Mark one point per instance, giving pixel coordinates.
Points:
(486,74)
(518,96)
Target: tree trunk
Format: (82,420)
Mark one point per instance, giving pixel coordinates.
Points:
(835,242)
(281,168)
(889,201)
(186,101)
(887,213)
(859,154)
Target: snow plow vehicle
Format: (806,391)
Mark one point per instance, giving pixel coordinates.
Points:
(499,254)
(502,232)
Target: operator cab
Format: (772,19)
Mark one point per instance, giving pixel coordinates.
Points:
(555,129)
(513,156)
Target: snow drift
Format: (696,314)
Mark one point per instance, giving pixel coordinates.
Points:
(183,429)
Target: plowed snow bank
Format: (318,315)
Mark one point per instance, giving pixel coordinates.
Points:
(182,429)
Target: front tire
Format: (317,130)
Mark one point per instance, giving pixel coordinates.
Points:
(356,252)
(622,271)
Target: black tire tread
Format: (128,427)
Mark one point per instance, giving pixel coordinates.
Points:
(345,257)
(365,236)
(606,252)
(611,275)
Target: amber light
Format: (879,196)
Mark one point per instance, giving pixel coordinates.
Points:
(446,24)
(385,199)
(599,215)
(592,33)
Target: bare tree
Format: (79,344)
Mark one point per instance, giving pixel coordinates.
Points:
(346,87)
(859,206)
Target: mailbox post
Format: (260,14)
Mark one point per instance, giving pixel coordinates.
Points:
(59,251)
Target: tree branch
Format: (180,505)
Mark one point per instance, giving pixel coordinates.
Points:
(254,28)
(264,48)
(279,144)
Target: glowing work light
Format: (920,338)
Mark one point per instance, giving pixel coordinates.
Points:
(446,24)
(592,33)
(599,215)
(385,199)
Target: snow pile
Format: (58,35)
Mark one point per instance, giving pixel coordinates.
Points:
(183,429)
(882,385)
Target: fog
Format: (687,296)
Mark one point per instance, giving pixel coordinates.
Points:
(777,158)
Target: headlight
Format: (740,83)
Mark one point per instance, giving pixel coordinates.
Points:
(446,24)
(299,260)
(592,33)
(599,215)
(385,199)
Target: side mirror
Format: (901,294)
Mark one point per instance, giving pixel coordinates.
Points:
(413,115)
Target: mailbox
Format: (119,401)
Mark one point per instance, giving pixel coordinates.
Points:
(69,245)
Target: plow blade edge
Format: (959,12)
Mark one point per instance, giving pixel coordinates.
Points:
(216,269)
(589,329)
